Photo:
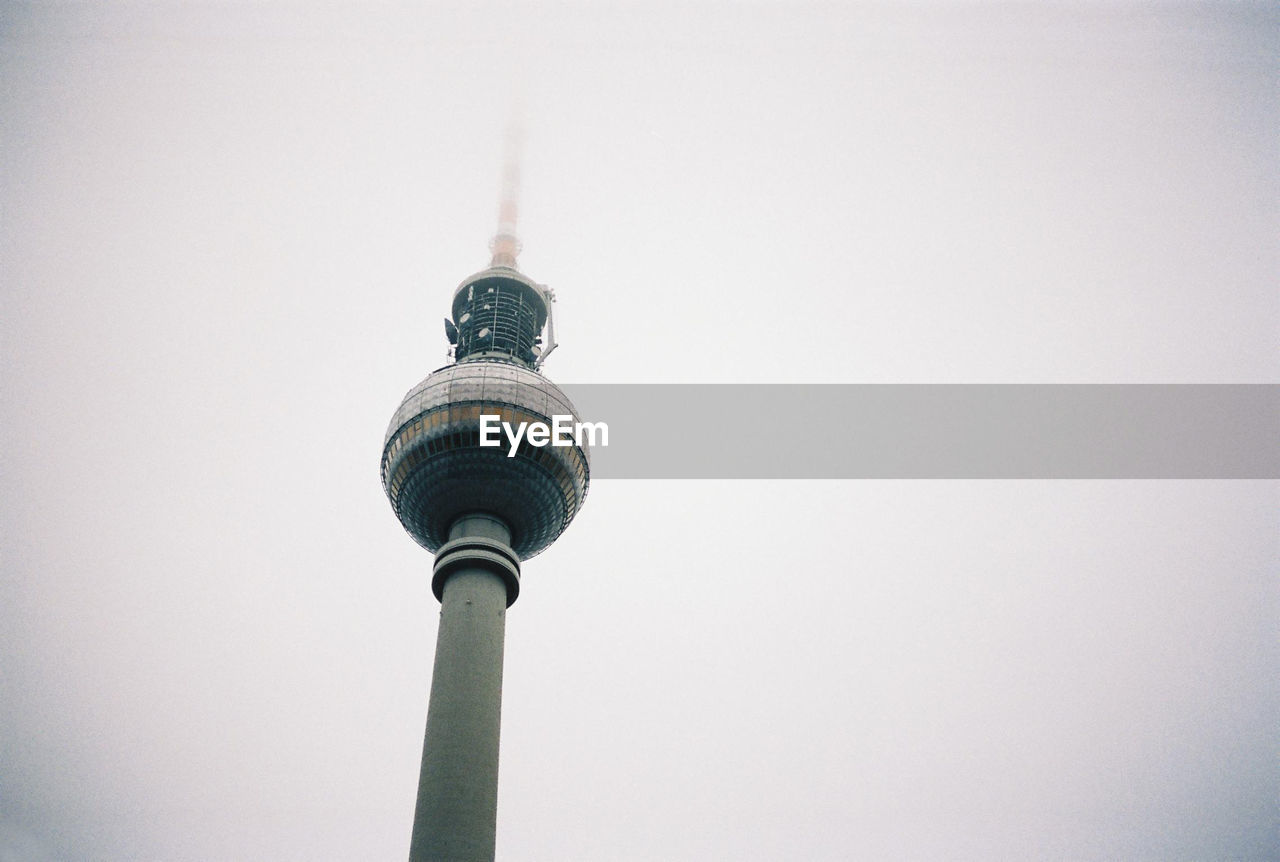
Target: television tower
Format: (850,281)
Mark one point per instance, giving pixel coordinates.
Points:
(481,512)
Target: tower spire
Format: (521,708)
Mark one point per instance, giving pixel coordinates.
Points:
(505,245)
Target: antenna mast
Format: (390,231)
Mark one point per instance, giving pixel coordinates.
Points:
(505,246)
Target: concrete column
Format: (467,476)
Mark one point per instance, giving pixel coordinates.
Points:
(476,578)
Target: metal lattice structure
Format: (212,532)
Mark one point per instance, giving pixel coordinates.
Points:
(500,313)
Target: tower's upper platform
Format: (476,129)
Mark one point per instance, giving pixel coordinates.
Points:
(499,313)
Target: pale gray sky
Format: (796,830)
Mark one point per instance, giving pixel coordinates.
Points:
(228,232)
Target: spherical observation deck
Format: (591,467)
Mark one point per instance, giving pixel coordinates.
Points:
(435,471)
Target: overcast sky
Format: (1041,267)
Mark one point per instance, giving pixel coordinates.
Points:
(229,231)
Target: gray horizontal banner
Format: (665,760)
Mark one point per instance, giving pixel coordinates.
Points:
(803,431)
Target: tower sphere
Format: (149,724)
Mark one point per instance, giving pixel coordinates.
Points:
(434,469)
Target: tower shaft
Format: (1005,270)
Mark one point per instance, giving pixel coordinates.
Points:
(456,813)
